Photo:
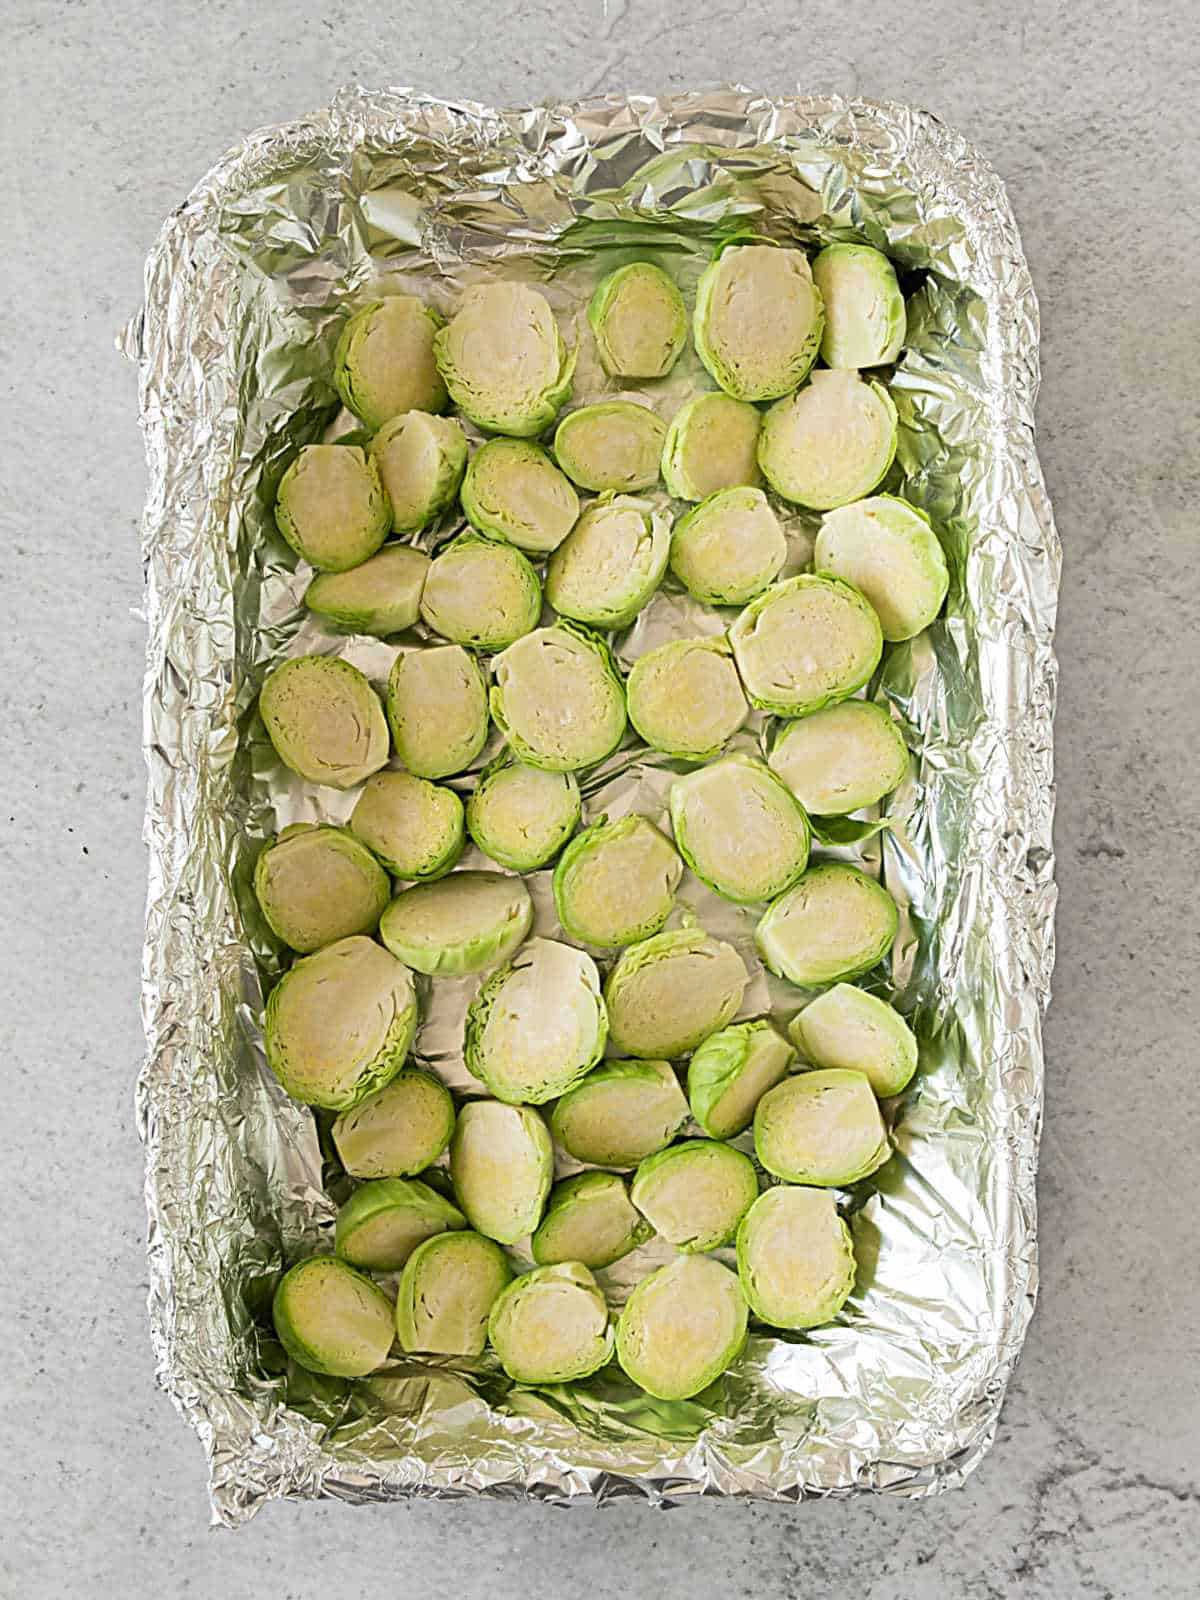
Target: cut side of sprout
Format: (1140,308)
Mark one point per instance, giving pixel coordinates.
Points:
(331,507)
(795,1258)
(383,1222)
(821,1128)
(730,1073)
(513,491)
(614,445)
(611,563)
(383,363)
(842,758)
(437,707)
(834,923)
(685,698)
(711,444)
(398,1131)
(504,361)
(332,1319)
(638,317)
(681,1327)
(447,1289)
(590,1218)
(739,829)
(558,699)
(501,1164)
(865,321)
(551,1325)
(805,643)
(695,1193)
(522,816)
(671,991)
(421,460)
(318,885)
(729,548)
(324,720)
(758,320)
(381,596)
(615,882)
(481,593)
(830,442)
(847,1027)
(461,923)
(415,827)
(888,549)
(621,1113)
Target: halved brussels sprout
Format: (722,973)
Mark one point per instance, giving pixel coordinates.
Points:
(847,1027)
(421,460)
(383,363)
(694,1194)
(615,882)
(822,1128)
(538,1025)
(338,1025)
(514,492)
(610,563)
(639,320)
(383,1222)
(681,1327)
(758,320)
(830,442)
(332,1319)
(590,1218)
(840,759)
(711,444)
(865,320)
(739,829)
(501,1164)
(730,1073)
(621,1113)
(613,445)
(415,827)
(685,697)
(437,706)
(331,506)
(551,1325)
(398,1131)
(504,360)
(382,596)
(558,699)
(521,816)
(324,720)
(795,1258)
(804,643)
(670,991)
(833,924)
(317,885)
(462,923)
(481,593)
(447,1289)
(888,549)
(729,548)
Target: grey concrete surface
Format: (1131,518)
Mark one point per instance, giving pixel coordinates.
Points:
(110,110)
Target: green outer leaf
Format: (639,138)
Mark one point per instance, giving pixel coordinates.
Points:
(419,1287)
(298,1344)
(689,1164)
(837,831)
(757,776)
(380,1196)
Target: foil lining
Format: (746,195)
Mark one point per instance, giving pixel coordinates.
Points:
(244,293)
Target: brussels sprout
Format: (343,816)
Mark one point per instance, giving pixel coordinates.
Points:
(521,816)
(590,1218)
(795,1258)
(401,1129)
(681,1327)
(639,320)
(847,1027)
(887,548)
(383,363)
(421,461)
(501,1164)
(830,442)
(458,924)
(332,1319)
(558,699)
(615,882)
(739,829)
(822,1128)
(538,1025)
(685,697)
(729,548)
(621,1113)
(834,923)
(437,706)
(339,1024)
(503,359)
(711,444)
(613,445)
(804,643)
(730,1073)
(448,1287)
(670,991)
(324,720)
(331,507)
(758,320)
(864,309)
(415,827)
(840,759)
(383,1222)
(514,492)
(318,885)
(694,1194)
(481,593)
(610,563)
(551,1325)
(382,596)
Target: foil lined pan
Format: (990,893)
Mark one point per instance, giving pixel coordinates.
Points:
(245,290)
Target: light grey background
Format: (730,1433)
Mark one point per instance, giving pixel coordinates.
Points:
(111,110)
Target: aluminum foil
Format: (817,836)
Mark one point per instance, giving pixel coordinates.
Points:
(245,290)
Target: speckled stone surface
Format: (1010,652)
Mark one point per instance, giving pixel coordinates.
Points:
(110,111)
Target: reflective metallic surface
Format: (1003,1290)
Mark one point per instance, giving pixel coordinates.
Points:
(245,292)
